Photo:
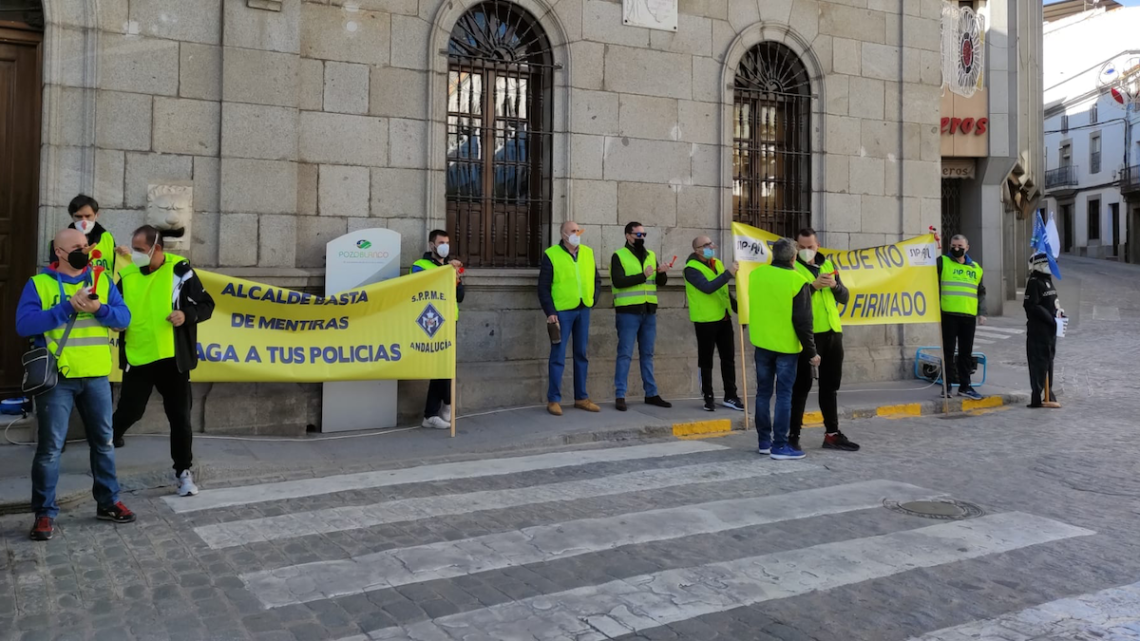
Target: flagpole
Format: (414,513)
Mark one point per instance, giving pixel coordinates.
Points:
(743,375)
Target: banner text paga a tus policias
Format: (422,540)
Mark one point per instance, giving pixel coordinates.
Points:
(402,328)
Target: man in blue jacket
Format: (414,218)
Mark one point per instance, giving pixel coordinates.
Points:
(48,303)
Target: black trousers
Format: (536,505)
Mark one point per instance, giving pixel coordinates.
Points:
(1041,348)
(716,336)
(960,330)
(439,393)
(829,345)
(174,386)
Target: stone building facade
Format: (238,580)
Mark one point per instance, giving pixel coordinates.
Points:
(297,121)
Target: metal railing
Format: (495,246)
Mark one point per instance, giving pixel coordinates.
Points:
(1130,180)
(1061,177)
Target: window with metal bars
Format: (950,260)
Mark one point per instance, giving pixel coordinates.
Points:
(29,12)
(771,141)
(499,152)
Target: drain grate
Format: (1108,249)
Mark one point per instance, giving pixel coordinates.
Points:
(943,510)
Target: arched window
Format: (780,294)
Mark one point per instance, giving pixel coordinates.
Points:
(29,12)
(498,136)
(771,141)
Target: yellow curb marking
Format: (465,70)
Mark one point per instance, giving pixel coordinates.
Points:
(702,429)
(899,411)
(813,419)
(989,401)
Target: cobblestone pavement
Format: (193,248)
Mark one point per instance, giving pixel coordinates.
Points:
(696,540)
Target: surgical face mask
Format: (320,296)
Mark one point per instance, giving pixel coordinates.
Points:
(1042,268)
(807,255)
(709,253)
(574,240)
(141,259)
(85,226)
(78,259)
(443,249)
(957,252)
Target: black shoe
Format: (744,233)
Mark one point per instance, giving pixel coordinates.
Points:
(43,529)
(837,441)
(619,403)
(710,404)
(734,403)
(117,513)
(118,441)
(1035,406)
(657,401)
(794,441)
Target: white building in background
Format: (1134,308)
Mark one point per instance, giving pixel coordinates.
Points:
(1092,127)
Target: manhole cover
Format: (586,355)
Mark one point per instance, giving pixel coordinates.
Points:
(946,510)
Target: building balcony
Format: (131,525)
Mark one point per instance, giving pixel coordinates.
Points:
(1061,181)
(1130,181)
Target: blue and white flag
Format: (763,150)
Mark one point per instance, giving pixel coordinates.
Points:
(1040,242)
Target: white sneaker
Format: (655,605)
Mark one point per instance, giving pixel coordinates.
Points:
(445,413)
(436,423)
(186,485)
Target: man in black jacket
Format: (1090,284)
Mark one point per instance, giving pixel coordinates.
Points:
(1041,311)
(159,349)
(635,275)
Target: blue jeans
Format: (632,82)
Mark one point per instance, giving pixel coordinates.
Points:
(576,323)
(643,329)
(774,370)
(53,410)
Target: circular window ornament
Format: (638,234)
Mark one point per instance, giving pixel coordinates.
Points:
(970,47)
(1120,79)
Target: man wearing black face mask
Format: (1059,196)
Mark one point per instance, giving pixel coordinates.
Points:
(635,277)
(67,292)
(963,300)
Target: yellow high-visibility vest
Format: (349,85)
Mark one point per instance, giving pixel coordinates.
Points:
(771,291)
(573,280)
(707,308)
(824,309)
(638,294)
(959,287)
(87,352)
(150,298)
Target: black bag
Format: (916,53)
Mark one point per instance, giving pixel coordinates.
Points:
(41,367)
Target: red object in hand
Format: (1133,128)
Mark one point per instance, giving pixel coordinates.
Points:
(672,261)
(95,286)
(461,270)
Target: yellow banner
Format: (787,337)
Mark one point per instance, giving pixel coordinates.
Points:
(403,328)
(889,285)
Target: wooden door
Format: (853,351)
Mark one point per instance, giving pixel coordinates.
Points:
(20,90)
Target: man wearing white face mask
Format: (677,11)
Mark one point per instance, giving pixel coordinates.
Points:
(1042,311)
(84,212)
(159,348)
(827,293)
(437,409)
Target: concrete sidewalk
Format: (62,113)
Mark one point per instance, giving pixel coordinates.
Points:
(144,463)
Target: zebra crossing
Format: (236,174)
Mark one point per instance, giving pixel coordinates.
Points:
(683,514)
(989,334)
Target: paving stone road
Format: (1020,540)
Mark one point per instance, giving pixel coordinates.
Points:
(696,540)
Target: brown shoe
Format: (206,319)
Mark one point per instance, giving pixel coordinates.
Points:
(554,408)
(588,405)
(619,403)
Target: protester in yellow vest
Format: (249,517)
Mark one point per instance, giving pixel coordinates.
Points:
(635,276)
(828,293)
(963,300)
(158,350)
(48,303)
(710,301)
(567,284)
(84,211)
(780,326)
(437,409)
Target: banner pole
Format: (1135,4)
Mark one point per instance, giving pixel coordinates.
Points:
(454,365)
(453,406)
(744,379)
